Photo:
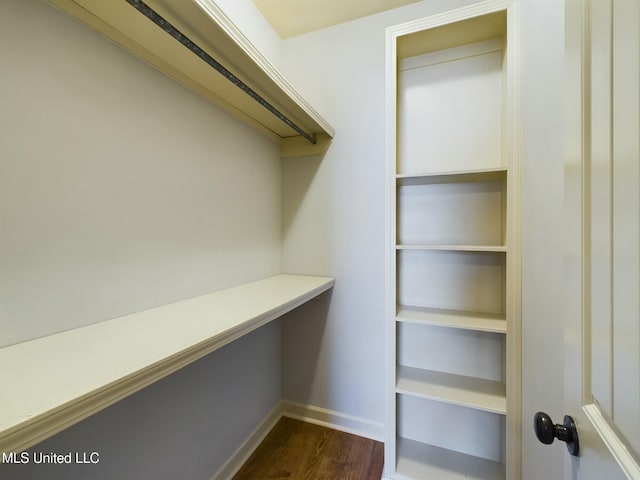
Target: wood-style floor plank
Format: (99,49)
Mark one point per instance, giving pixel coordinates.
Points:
(296,450)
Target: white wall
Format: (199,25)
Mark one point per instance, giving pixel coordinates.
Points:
(246,16)
(120,190)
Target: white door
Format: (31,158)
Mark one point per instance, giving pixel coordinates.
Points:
(602,188)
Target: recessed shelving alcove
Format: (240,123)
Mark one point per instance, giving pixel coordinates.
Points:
(452,245)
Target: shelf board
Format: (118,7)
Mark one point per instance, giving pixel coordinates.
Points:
(453,176)
(483,322)
(471,392)
(457,248)
(203,22)
(58,380)
(419,460)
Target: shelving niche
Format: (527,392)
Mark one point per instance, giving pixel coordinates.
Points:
(451,295)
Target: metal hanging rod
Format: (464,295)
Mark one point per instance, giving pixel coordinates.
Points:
(156,18)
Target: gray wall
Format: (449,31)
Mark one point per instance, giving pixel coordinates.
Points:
(119,191)
(182,427)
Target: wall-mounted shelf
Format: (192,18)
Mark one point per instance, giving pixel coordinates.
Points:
(204,23)
(477,393)
(453,176)
(454,248)
(66,377)
(482,322)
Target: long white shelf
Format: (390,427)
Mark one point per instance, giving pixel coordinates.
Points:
(477,393)
(419,460)
(203,22)
(53,382)
(453,248)
(452,176)
(483,322)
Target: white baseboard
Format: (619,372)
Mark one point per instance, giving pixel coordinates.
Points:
(244,451)
(336,420)
(307,413)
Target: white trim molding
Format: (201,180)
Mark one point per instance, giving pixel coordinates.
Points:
(338,421)
(620,453)
(244,451)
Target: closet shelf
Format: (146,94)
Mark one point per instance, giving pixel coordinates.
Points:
(453,176)
(56,381)
(457,248)
(477,393)
(206,25)
(483,322)
(419,460)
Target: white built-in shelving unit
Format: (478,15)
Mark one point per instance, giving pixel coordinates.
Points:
(55,381)
(452,247)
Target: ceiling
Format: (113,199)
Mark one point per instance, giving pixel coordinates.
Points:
(294,17)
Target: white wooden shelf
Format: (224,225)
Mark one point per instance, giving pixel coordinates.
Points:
(419,460)
(477,393)
(452,176)
(483,322)
(456,248)
(53,382)
(203,22)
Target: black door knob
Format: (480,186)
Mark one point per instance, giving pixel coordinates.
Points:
(546,431)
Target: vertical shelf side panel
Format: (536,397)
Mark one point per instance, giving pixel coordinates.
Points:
(512,145)
(390,440)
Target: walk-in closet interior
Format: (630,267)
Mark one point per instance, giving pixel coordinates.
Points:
(208,222)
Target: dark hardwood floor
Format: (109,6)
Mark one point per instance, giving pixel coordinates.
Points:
(296,450)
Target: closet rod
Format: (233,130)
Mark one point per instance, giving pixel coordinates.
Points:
(160,21)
